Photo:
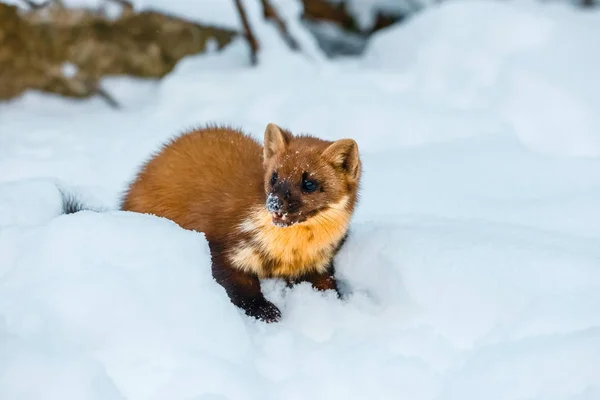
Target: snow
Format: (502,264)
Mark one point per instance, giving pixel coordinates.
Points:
(214,12)
(365,11)
(472,271)
(513,63)
(69,70)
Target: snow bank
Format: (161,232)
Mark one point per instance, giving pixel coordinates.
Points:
(489,178)
(28,202)
(533,66)
(121,305)
(30,373)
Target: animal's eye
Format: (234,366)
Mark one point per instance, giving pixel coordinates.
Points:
(309,186)
(273,178)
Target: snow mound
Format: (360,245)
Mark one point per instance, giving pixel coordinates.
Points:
(29,202)
(127,304)
(28,372)
(122,305)
(535,67)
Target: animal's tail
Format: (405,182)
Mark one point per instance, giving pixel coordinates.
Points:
(72,205)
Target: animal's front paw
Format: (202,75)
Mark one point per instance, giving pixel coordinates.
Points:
(262,309)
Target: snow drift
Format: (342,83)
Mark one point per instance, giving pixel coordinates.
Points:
(534,67)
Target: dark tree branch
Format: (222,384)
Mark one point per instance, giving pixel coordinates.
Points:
(107,97)
(92,87)
(269,13)
(254,47)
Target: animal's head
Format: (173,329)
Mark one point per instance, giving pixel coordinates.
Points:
(306,177)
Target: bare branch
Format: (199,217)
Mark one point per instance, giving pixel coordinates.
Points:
(269,13)
(107,97)
(254,47)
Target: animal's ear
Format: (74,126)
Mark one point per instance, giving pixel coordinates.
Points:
(276,141)
(343,155)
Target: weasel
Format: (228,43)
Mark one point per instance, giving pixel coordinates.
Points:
(281,210)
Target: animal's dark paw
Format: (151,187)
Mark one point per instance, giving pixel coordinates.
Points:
(262,309)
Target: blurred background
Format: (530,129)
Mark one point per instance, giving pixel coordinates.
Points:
(67,47)
(90,88)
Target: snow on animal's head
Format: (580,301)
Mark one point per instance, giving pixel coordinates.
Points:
(305,175)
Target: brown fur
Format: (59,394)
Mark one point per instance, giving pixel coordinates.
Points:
(217,180)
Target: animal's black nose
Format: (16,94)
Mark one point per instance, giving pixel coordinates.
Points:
(274,203)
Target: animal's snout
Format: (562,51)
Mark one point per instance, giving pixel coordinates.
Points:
(282,200)
(274,203)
